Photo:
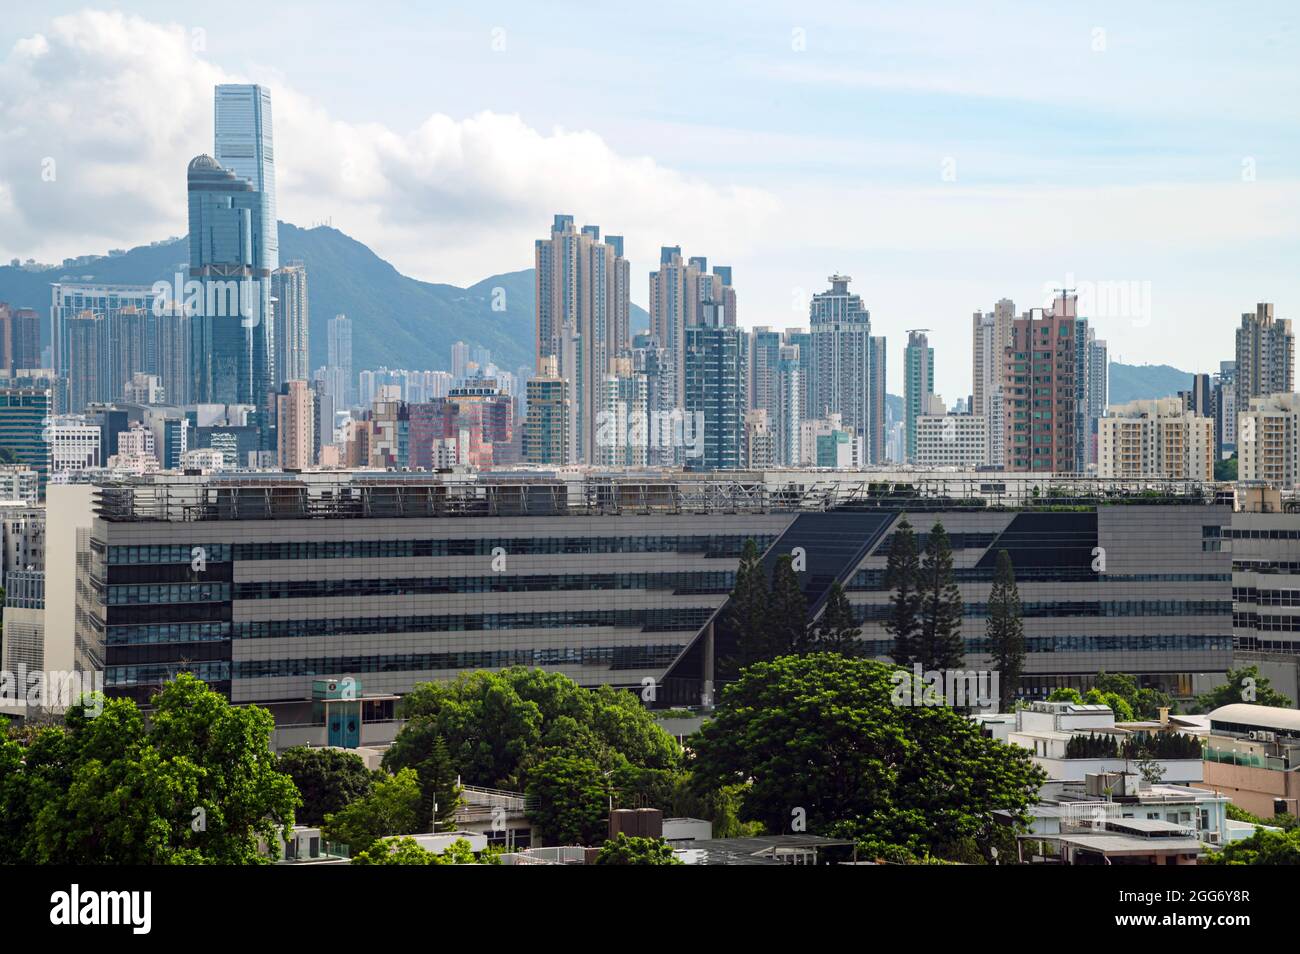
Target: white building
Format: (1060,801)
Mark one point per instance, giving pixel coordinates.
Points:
(951,440)
(1159,439)
(19,482)
(1268,441)
(74,444)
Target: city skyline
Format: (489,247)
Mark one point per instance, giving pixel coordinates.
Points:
(1151,203)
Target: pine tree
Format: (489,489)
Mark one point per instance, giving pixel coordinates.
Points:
(788,616)
(438,786)
(1006,632)
(902,575)
(939,642)
(837,630)
(746,617)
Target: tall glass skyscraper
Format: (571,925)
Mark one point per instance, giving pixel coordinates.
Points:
(244,147)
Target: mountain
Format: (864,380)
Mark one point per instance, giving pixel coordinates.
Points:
(399,321)
(1142,382)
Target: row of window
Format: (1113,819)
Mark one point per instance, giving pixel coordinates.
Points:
(1074,608)
(611,657)
(684,583)
(156,594)
(875,579)
(1266,623)
(1249,594)
(716,545)
(1241,534)
(1088,644)
(167,633)
(647,620)
(155,674)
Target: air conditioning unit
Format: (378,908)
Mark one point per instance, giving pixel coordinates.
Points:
(1260,735)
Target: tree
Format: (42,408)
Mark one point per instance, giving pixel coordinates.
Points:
(837,630)
(198,785)
(407,851)
(1243,685)
(1225,470)
(1262,848)
(818,739)
(1065,694)
(788,611)
(623,849)
(902,575)
(327,779)
(745,621)
(391,808)
(439,789)
(1118,704)
(568,801)
(497,725)
(939,643)
(1006,631)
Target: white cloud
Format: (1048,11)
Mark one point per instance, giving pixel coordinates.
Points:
(121,104)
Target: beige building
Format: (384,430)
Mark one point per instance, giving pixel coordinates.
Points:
(1268,441)
(295,427)
(1155,439)
(952,440)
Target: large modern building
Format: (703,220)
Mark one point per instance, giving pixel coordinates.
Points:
(264,584)
(292,323)
(1265,356)
(1268,441)
(1155,439)
(842,377)
(715,392)
(918,386)
(583,319)
(1040,400)
(24,412)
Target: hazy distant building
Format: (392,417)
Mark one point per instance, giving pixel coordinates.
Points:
(338,367)
(841,363)
(583,318)
(918,386)
(1265,356)
(991,334)
(292,323)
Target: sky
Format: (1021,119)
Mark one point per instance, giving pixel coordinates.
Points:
(944,155)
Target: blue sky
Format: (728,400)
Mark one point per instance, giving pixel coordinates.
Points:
(944,155)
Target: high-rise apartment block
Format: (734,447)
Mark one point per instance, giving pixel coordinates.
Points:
(1265,356)
(1268,441)
(918,386)
(295,426)
(844,382)
(715,392)
(583,318)
(547,427)
(1158,439)
(1040,402)
(291,316)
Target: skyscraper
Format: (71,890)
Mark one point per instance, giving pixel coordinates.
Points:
(295,429)
(339,359)
(715,392)
(918,386)
(583,318)
(244,145)
(679,290)
(230,338)
(1039,397)
(1265,356)
(840,365)
(292,322)
(546,428)
(990,333)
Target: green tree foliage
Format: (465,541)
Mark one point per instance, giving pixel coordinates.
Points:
(837,630)
(1118,704)
(819,737)
(1243,685)
(1226,469)
(939,643)
(1145,703)
(625,849)
(439,790)
(1005,632)
(746,618)
(498,725)
(407,851)
(568,801)
(327,779)
(198,785)
(788,611)
(1262,848)
(902,577)
(391,808)
(1065,694)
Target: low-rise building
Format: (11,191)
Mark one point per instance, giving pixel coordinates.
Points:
(1252,755)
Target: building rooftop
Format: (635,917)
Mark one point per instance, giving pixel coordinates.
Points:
(1261,717)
